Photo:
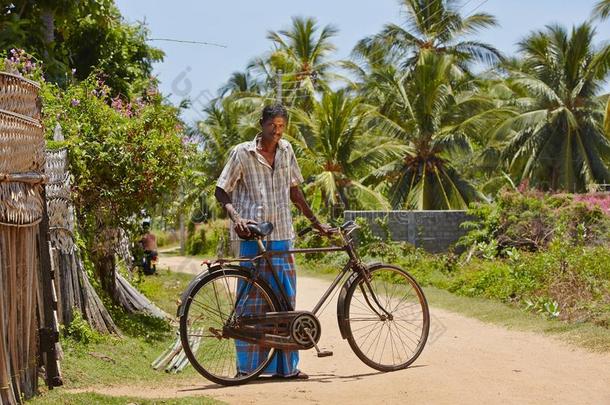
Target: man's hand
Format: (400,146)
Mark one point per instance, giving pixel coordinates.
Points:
(324,229)
(241,227)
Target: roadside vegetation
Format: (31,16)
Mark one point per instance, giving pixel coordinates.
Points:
(544,254)
(94,360)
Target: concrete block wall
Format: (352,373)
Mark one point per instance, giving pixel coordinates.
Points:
(434,231)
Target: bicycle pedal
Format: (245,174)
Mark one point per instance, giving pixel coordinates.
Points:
(325,353)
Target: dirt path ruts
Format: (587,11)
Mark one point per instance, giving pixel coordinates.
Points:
(465,362)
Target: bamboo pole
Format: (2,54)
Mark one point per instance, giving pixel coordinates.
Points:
(27,178)
(133,301)
(7,395)
(50,328)
(167,355)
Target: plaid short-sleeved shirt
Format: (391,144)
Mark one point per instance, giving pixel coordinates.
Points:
(259,191)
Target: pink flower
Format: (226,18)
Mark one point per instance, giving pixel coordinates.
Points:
(117,104)
(75,102)
(524,185)
(601,200)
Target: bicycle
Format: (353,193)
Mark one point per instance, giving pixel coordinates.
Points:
(381,311)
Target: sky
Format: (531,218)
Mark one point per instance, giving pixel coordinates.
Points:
(197,71)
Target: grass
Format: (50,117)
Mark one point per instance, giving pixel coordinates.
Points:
(114,361)
(165,288)
(57,397)
(110,361)
(584,335)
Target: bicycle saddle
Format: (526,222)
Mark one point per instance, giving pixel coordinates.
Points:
(260,230)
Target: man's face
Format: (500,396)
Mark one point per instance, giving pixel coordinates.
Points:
(273,128)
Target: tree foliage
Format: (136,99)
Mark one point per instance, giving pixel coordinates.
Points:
(338,148)
(431,25)
(123,156)
(558,141)
(415,127)
(85,35)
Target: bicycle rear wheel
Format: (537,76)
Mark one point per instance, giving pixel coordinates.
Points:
(213,303)
(387,342)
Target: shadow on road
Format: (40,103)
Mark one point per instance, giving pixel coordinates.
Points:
(320,378)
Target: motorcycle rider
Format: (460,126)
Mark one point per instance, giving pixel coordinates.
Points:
(149,245)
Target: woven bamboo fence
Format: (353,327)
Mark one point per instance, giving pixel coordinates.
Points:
(19,95)
(28,328)
(74,289)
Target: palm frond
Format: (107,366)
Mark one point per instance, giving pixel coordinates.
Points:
(601,9)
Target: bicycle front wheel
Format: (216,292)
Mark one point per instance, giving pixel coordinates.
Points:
(217,300)
(387,340)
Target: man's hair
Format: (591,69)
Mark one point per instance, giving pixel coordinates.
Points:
(274,110)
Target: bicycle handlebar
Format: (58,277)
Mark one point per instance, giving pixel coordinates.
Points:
(346,226)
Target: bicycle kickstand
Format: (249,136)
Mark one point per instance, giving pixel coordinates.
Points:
(321,353)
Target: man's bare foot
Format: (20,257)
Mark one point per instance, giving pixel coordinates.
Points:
(299,376)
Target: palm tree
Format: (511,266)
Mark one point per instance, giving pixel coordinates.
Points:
(337,147)
(439,114)
(558,142)
(607,119)
(602,9)
(431,25)
(241,83)
(302,54)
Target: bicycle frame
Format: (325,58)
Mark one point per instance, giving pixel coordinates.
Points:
(353,265)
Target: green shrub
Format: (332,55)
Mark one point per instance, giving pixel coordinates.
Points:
(566,280)
(530,221)
(165,238)
(195,242)
(80,331)
(495,279)
(209,239)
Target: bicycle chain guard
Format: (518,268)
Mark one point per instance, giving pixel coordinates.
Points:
(279,330)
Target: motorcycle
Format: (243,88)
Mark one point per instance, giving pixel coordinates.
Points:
(149,262)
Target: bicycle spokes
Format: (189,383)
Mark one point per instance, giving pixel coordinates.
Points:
(388,319)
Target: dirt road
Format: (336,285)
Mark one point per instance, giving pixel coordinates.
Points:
(465,362)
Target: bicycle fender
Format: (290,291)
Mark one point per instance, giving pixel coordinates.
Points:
(341,306)
(187,291)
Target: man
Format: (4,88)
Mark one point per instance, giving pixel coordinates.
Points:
(257,184)
(148,241)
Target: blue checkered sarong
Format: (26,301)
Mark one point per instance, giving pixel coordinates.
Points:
(249,356)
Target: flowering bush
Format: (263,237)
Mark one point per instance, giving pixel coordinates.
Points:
(531,220)
(600,200)
(124,155)
(122,162)
(20,63)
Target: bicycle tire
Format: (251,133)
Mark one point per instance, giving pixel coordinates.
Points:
(398,328)
(196,294)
